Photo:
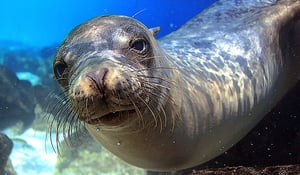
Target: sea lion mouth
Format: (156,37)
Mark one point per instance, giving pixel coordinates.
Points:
(112,118)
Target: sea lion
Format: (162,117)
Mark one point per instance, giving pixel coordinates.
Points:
(178,102)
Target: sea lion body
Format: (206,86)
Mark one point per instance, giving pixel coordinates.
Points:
(178,103)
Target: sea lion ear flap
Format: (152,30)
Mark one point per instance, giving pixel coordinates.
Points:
(154,30)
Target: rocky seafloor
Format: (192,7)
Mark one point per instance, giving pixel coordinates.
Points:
(273,147)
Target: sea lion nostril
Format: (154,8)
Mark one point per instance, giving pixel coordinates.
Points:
(98,78)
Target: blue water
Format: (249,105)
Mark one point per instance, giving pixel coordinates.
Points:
(41,23)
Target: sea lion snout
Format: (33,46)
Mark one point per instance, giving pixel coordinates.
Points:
(103,91)
(112,81)
(98,78)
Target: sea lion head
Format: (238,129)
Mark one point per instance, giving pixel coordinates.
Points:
(106,68)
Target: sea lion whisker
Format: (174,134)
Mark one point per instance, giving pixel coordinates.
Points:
(77,124)
(67,123)
(159,78)
(164,114)
(119,102)
(138,112)
(155,68)
(55,95)
(61,79)
(156,84)
(150,87)
(57,141)
(65,112)
(50,134)
(153,86)
(51,140)
(71,129)
(139,12)
(159,94)
(67,126)
(137,60)
(150,109)
(136,108)
(159,109)
(54,119)
(60,123)
(52,106)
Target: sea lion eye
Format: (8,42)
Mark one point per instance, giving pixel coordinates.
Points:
(59,69)
(139,46)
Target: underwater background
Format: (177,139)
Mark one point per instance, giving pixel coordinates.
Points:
(30,33)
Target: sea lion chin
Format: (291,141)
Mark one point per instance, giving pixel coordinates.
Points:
(179,102)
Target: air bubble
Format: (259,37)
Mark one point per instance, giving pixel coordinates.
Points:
(266,128)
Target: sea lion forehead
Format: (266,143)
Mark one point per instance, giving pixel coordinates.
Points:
(99,34)
(117,20)
(105,26)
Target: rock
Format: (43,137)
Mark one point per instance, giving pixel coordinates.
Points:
(6,146)
(241,170)
(16,100)
(18,57)
(9,169)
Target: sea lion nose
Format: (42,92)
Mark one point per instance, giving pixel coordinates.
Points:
(98,78)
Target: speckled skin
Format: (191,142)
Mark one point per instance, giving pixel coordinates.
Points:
(228,66)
